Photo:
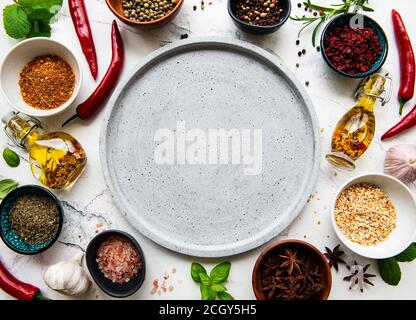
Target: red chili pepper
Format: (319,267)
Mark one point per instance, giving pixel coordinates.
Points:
(407,60)
(407,122)
(17,288)
(105,88)
(82,27)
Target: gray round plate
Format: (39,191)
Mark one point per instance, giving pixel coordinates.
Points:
(211,210)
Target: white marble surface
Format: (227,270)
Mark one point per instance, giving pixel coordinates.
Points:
(89,204)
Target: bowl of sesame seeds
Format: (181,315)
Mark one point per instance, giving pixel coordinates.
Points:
(145,13)
(374,215)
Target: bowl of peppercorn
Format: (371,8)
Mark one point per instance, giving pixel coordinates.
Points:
(31,219)
(354,45)
(291,270)
(259,16)
(145,13)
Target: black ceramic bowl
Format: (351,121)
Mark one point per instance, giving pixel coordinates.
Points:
(345,19)
(253,29)
(113,289)
(12,240)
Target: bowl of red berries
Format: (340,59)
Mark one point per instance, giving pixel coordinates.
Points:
(354,45)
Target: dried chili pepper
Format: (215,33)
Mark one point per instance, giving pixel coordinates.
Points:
(17,288)
(407,60)
(89,107)
(407,122)
(82,27)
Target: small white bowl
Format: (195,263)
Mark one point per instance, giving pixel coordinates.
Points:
(18,57)
(404,233)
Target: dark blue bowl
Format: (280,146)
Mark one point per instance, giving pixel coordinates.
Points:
(9,237)
(113,289)
(253,29)
(345,19)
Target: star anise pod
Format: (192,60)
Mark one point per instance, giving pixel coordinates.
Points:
(290,261)
(334,256)
(359,276)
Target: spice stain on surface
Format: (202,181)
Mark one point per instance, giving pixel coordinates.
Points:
(46,82)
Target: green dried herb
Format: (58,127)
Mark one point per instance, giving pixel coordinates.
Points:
(34,218)
(7,186)
(11,158)
(212,285)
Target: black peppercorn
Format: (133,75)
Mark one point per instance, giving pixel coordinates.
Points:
(300,53)
(297,42)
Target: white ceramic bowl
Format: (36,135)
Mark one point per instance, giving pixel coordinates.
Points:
(18,57)
(404,233)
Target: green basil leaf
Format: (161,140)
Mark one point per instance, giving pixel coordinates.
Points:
(40,14)
(7,186)
(196,269)
(39,29)
(205,279)
(225,296)
(389,271)
(40,4)
(407,255)
(11,158)
(15,21)
(207,293)
(218,287)
(220,273)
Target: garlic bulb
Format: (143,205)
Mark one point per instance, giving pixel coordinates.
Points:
(400,162)
(68,277)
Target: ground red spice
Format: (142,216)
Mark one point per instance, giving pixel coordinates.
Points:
(352,50)
(47,82)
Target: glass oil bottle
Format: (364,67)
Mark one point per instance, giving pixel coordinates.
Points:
(56,159)
(355,131)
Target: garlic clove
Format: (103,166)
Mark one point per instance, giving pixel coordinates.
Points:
(400,162)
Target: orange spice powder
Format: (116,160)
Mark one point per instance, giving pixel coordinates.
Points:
(47,82)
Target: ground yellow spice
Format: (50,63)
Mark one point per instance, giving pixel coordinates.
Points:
(47,82)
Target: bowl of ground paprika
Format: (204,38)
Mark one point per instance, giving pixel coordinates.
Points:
(354,45)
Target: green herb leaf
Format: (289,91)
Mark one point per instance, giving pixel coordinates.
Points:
(218,287)
(205,279)
(207,293)
(225,296)
(389,271)
(11,158)
(40,4)
(220,273)
(407,255)
(7,186)
(15,21)
(197,269)
(40,14)
(39,29)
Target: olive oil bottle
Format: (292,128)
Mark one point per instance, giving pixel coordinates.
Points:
(56,159)
(355,131)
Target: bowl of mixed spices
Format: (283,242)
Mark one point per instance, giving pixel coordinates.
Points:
(145,13)
(354,45)
(31,219)
(374,215)
(116,262)
(40,77)
(259,16)
(291,270)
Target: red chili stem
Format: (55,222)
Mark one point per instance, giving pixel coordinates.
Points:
(17,288)
(407,60)
(95,101)
(406,123)
(82,27)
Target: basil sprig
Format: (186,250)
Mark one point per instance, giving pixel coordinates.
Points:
(390,269)
(211,285)
(7,186)
(11,158)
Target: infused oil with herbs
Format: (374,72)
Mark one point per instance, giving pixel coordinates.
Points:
(355,131)
(56,159)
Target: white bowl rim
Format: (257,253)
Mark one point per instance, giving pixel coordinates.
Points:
(342,237)
(44,113)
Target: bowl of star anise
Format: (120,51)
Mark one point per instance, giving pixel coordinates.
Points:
(291,270)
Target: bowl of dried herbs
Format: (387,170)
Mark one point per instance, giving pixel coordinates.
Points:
(291,270)
(31,219)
